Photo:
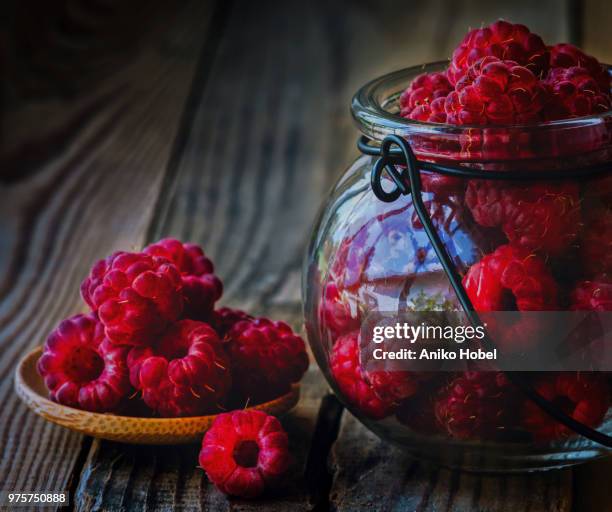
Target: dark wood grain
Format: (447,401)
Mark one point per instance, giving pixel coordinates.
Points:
(80,175)
(373,475)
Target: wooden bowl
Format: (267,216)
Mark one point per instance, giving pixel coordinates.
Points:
(31,389)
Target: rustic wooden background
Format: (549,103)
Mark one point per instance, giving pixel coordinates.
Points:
(223,123)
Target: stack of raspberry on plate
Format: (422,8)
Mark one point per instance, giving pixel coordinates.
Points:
(499,76)
(153,335)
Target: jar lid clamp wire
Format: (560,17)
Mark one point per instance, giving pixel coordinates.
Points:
(394,152)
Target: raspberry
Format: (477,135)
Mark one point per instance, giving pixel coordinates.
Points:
(201,287)
(244,452)
(568,56)
(335,312)
(511,279)
(537,217)
(504,41)
(583,396)
(185,374)
(266,357)
(135,296)
(225,318)
(423,100)
(496,92)
(347,373)
(81,368)
(596,246)
(476,405)
(574,93)
(592,295)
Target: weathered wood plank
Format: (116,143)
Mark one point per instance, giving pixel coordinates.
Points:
(373,475)
(80,171)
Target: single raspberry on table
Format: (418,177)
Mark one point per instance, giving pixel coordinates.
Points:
(135,296)
(496,92)
(187,373)
(266,358)
(511,279)
(347,372)
(244,452)
(565,55)
(503,40)
(224,319)
(201,287)
(574,93)
(596,243)
(595,295)
(545,218)
(476,405)
(583,396)
(81,368)
(423,100)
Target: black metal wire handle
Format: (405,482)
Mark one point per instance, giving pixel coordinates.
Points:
(408,181)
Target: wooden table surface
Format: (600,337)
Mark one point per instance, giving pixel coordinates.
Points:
(224,124)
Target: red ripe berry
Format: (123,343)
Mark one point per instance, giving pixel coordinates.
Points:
(596,244)
(511,279)
(244,452)
(266,357)
(538,217)
(201,287)
(185,374)
(81,368)
(476,405)
(135,296)
(225,318)
(592,295)
(423,100)
(583,396)
(504,41)
(335,312)
(574,93)
(496,92)
(568,56)
(346,370)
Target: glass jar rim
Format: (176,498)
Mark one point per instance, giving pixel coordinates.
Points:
(370,110)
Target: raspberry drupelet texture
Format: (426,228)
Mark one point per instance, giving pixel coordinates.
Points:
(511,279)
(423,100)
(266,358)
(596,243)
(476,405)
(503,40)
(595,295)
(583,396)
(225,318)
(81,368)
(244,452)
(201,287)
(135,296)
(565,55)
(545,218)
(347,372)
(186,374)
(335,311)
(496,92)
(574,93)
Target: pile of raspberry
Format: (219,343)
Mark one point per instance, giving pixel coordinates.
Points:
(548,246)
(154,343)
(504,74)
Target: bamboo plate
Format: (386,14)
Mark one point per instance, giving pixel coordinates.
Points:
(31,389)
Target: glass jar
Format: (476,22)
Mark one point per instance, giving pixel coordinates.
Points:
(369,256)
